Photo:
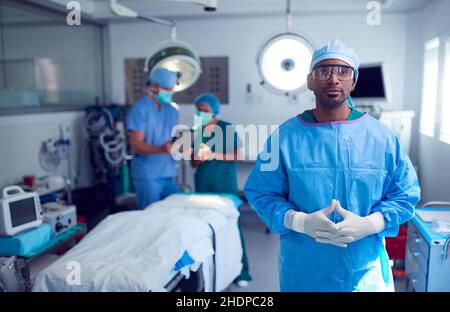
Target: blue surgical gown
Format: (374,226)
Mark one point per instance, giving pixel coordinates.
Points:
(361,164)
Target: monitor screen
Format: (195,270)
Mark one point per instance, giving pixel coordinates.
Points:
(370,83)
(22,211)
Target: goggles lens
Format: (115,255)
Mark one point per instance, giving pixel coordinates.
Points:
(323,72)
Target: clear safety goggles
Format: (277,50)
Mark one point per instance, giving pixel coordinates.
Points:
(323,72)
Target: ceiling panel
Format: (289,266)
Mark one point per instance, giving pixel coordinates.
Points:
(170,8)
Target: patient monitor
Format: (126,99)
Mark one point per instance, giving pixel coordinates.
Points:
(19,211)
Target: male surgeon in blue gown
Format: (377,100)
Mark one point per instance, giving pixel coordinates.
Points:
(342,184)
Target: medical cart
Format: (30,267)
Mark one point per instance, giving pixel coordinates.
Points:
(427,253)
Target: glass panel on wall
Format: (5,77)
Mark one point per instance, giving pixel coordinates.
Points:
(44,62)
(429,87)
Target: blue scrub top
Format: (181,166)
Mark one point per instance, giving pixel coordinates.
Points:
(157,125)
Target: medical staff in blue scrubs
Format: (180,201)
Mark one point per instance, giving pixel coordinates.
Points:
(342,184)
(150,122)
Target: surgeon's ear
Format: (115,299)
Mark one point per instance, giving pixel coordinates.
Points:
(353,86)
(310,82)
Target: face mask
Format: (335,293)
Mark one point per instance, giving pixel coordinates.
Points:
(205,117)
(201,119)
(164,97)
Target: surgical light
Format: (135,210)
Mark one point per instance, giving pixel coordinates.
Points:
(176,56)
(283,61)
(173,55)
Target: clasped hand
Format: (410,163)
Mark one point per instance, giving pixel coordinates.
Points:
(352,228)
(205,153)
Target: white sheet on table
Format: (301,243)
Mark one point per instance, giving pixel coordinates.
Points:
(196,204)
(134,251)
(201,250)
(228,264)
(228,259)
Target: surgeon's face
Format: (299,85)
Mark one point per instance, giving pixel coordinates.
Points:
(203,107)
(331,93)
(155,88)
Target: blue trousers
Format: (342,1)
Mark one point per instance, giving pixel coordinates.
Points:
(151,190)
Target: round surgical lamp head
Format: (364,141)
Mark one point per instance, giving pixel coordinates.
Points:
(283,63)
(178,57)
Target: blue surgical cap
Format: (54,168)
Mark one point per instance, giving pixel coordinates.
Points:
(209,99)
(336,49)
(163,77)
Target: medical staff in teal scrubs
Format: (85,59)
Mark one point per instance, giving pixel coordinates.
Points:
(342,184)
(216,159)
(150,122)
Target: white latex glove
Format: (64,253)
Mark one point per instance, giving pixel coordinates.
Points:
(313,223)
(352,226)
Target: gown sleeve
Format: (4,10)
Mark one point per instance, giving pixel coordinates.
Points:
(267,190)
(401,192)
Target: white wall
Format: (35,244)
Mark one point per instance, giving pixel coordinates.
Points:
(240,39)
(20,141)
(433,154)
